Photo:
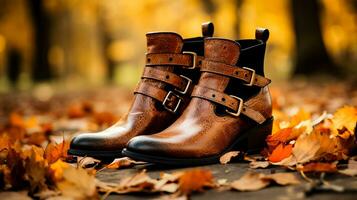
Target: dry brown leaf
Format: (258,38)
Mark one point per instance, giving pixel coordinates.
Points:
(228,156)
(76,183)
(122,163)
(170,188)
(195,180)
(140,182)
(87,162)
(259,164)
(318,167)
(16,174)
(304,150)
(56,170)
(282,178)
(250,182)
(36,170)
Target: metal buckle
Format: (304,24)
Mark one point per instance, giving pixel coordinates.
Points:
(194,58)
(240,106)
(251,78)
(189,81)
(167,99)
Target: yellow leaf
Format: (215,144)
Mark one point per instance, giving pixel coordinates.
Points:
(345,119)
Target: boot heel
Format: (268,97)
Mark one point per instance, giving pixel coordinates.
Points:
(254,139)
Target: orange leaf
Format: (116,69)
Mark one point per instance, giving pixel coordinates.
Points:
(344,121)
(121,163)
(281,136)
(54,151)
(300,116)
(16,120)
(195,180)
(280,152)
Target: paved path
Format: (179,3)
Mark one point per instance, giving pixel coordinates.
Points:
(232,172)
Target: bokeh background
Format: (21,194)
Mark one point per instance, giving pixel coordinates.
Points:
(70,44)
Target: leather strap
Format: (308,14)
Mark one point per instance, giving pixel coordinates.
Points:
(228,101)
(186,59)
(169,100)
(182,83)
(244,74)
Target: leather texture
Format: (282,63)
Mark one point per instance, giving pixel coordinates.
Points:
(160,98)
(208,125)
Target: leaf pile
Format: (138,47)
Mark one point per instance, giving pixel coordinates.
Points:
(31,160)
(301,141)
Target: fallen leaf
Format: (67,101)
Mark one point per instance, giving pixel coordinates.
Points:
(36,171)
(195,180)
(228,156)
(16,120)
(318,167)
(345,118)
(300,116)
(281,152)
(259,164)
(54,151)
(122,163)
(305,149)
(250,182)
(139,182)
(282,178)
(56,170)
(87,162)
(276,139)
(76,183)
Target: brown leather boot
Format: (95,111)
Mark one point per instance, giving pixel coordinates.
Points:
(230,108)
(171,71)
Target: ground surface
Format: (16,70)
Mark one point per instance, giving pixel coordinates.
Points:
(64,110)
(232,172)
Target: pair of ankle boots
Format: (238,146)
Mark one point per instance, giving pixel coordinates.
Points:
(198,98)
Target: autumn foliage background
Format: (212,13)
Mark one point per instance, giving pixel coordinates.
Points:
(70,65)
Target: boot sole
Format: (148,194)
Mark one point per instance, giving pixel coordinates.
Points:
(101,155)
(246,143)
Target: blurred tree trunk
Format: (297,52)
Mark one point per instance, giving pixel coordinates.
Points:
(238,5)
(14,62)
(107,39)
(311,54)
(41,70)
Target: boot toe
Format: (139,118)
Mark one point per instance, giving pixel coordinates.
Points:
(84,141)
(143,144)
